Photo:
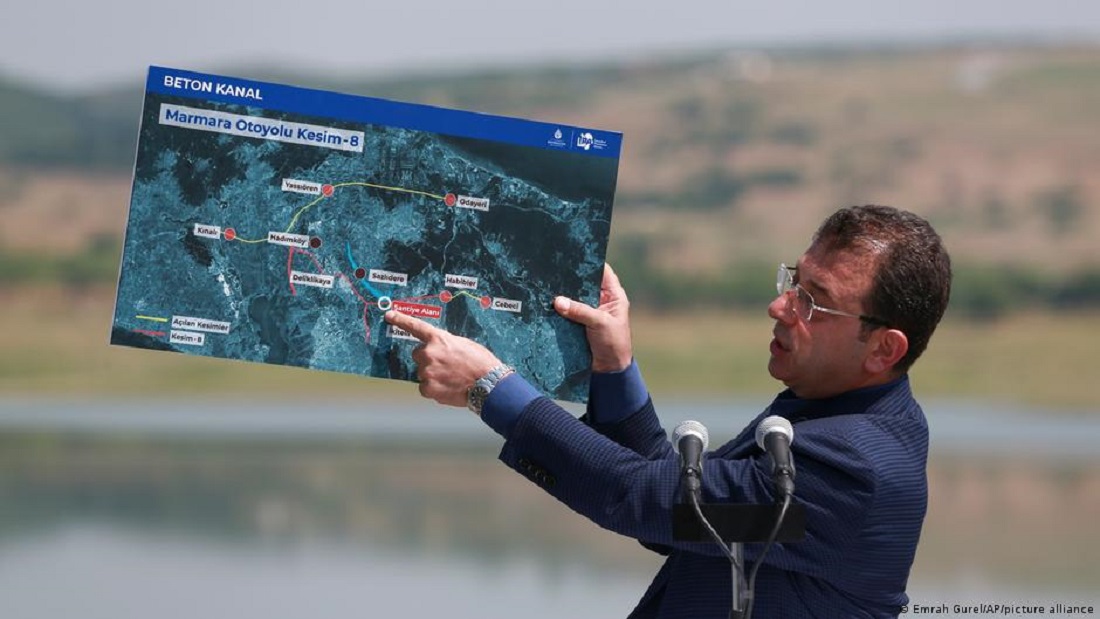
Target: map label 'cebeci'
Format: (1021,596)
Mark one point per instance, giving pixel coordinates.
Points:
(507,305)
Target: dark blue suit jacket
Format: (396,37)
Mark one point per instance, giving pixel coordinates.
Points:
(860,460)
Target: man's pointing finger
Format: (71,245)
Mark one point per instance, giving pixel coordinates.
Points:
(416,327)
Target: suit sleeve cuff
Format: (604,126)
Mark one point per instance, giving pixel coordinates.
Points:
(614,396)
(506,402)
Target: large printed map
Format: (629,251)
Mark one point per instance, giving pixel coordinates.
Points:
(277,224)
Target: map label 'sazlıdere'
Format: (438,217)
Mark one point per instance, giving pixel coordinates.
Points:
(379,276)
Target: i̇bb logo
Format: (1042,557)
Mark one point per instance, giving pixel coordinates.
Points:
(584,140)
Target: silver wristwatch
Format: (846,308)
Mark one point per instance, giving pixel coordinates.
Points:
(482,387)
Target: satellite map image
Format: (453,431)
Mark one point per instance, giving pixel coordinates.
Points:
(276,224)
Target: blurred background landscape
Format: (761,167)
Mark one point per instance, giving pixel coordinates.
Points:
(135,483)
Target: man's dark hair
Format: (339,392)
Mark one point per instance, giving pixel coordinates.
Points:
(912,277)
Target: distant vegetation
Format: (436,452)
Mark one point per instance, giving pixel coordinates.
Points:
(730,159)
(979,292)
(98,131)
(96,265)
(94,132)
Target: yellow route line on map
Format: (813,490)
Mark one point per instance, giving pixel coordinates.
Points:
(402,189)
(153,318)
(305,208)
(463,292)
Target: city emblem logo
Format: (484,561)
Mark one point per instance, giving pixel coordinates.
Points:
(585,140)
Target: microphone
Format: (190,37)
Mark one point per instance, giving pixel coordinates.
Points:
(690,438)
(774,435)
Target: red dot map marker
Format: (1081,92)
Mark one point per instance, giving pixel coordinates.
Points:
(446,296)
(486,301)
(327,190)
(450,199)
(230,234)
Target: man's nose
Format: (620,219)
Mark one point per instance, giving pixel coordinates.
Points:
(780,308)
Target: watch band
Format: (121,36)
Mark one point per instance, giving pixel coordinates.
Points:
(482,387)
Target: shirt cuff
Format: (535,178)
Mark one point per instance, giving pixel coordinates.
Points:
(506,402)
(614,396)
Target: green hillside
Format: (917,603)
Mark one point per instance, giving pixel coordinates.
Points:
(731,157)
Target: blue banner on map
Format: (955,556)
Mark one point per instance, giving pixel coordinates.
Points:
(383,112)
(277,224)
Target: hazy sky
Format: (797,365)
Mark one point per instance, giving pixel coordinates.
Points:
(76,43)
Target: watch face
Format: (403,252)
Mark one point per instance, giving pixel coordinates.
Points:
(476,398)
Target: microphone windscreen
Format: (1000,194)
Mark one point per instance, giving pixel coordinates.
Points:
(774,423)
(693,428)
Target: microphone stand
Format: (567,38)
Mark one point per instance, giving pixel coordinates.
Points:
(737,582)
(733,526)
(734,552)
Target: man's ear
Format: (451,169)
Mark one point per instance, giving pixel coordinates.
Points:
(888,346)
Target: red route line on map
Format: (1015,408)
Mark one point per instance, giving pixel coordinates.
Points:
(289,269)
(327,192)
(420,298)
(321,271)
(150,333)
(292,251)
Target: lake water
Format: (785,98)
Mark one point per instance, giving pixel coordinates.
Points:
(136,509)
(971,427)
(93,570)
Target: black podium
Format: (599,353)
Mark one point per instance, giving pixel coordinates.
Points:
(738,524)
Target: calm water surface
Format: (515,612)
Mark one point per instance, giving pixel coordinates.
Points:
(170,509)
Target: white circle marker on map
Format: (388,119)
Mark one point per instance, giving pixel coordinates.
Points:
(385,303)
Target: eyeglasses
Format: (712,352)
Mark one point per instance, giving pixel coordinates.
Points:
(803,302)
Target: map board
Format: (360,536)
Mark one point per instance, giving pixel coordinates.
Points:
(277,224)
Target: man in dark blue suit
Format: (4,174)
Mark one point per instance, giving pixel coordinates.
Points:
(851,317)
